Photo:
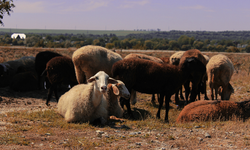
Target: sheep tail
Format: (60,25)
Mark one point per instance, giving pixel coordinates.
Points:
(44,73)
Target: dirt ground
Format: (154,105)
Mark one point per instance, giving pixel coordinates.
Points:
(227,135)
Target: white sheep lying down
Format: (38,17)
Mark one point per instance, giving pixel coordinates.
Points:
(85,102)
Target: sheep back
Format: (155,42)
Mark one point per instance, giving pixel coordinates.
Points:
(60,69)
(75,105)
(209,110)
(134,73)
(143,56)
(193,53)
(10,68)
(25,81)
(88,60)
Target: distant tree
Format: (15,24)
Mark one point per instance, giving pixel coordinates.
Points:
(6,6)
(149,44)
(198,44)
(247,49)
(110,45)
(173,45)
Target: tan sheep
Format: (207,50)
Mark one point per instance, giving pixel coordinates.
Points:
(213,110)
(113,93)
(220,70)
(175,58)
(85,102)
(88,60)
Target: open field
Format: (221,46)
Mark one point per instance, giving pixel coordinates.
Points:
(54,31)
(27,123)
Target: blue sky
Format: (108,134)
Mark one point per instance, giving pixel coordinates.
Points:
(192,15)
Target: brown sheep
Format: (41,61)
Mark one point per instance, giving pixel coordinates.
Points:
(196,78)
(214,110)
(220,70)
(40,64)
(59,69)
(150,77)
(146,57)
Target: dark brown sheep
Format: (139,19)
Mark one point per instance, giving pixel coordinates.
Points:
(150,77)
(214,110)
(60,70)
(25,81)
(197,78)
(40,63)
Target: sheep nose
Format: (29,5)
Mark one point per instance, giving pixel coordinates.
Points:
(104,88)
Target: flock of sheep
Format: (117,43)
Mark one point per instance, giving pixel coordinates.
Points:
(102,82)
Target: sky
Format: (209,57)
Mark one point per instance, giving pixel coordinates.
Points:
(166,15)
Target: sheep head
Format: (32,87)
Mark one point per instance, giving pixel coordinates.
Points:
(120,89)
(101,81)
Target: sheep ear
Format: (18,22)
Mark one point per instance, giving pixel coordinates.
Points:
(112,81)
(91,79)
(115,90)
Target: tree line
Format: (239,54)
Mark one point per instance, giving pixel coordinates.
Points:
(176,40)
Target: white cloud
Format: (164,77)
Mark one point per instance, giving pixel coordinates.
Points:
(131,4)
(29,7)
(196,7)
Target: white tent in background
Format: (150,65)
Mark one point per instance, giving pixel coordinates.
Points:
(21,35)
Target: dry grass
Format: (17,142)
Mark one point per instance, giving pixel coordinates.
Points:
(45,126)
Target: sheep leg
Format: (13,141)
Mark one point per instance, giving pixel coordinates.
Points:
(187,90)
(167,100)
(51,89)
(127,103)
(153,99)
(158,115)
(55,92)
(195,85)
(181,94)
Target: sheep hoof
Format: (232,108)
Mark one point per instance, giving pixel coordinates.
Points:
(47,104)
(166,121)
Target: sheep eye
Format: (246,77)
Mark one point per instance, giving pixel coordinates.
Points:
(96,78)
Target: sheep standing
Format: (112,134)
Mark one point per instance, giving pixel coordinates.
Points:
(150,77)
(59,69)
(85,102)
(175,60)
(220,70)
(40,63)
(90,59)
(133,99)
(10,68)
(214,110)
(197,78)
(114,91)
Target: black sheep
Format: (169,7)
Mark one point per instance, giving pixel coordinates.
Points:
(59,70)
(40,63)
(150,77)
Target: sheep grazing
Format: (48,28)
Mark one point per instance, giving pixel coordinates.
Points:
(197,77)
(40,64)
(85,102)
(220,70)
(59,69)
(175,58)
(90,59)
(150,77)
(214,110)
(10,68)
(133,99)
(114,91)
